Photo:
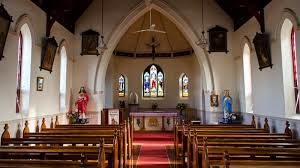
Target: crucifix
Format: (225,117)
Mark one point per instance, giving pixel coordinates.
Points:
(153,45)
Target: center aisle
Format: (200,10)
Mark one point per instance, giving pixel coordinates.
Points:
(153,148)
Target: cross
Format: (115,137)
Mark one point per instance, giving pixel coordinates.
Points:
(153,45)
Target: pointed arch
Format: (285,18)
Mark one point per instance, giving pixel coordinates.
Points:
(24,69)
(286,14)
(184,86)
(63,78)
(289,66)
(114,38)
(153,82)
(25,19)
(122,85)
(247,78)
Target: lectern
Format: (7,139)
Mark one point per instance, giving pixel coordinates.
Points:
(111,116)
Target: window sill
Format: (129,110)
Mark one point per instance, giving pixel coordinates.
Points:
(294,117)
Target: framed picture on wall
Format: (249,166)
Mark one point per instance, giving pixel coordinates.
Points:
(40,84)
(218,39)
(48,54)
(5,20)
(89,42)
(263,51)
(214,100)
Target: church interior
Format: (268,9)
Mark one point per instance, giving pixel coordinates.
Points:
(143,83)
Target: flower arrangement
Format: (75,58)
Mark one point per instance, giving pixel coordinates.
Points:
(181,107)
(73,117)
(154,106)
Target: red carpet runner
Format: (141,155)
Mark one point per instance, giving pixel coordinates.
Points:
(153,149)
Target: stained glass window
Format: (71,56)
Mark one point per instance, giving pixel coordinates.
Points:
(185,84)
(295,68)
(153,81)
(121,86)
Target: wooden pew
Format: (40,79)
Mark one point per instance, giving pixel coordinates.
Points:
(181,129)
(79,155)
(210,149)
(126,126)
(80,138)
(213,135)
(219,146)
(212,156)
(227,132)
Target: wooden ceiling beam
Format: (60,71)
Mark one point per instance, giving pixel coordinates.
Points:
(49,24)
(260,17)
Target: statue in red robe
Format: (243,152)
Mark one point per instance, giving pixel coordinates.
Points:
(82,102)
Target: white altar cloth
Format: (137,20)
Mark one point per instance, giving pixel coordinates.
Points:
(153,120)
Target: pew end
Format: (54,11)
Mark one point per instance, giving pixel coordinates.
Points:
(266,126)
(37,127)
(101,155)
(43,126)
(26,128)
(56,121)
(51,124)
(5,134)
(288,130)
(205,157)
(253,122)
(18,133)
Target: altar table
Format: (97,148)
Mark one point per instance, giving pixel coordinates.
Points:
(153,121)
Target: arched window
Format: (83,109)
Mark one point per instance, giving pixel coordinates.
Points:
(122,86)
(289,67)
(184,85)
(247,78)
(295,69)
(153,81)
(19,72)
(23,69)
(63,79)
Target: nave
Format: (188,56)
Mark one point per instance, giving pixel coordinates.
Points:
(118,146)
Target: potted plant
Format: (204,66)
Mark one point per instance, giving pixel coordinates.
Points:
(73,117)
(181,107)
(154,106)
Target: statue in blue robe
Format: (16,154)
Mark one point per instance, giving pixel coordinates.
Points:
(227,106)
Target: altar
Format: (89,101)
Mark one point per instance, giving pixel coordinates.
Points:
(153,120)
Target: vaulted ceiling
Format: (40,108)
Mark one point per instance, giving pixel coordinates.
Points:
(67,12)
(137,44)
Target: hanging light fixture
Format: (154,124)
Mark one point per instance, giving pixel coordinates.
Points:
(102,46)
(203,42)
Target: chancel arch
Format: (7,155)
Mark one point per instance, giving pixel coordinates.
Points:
(191,36)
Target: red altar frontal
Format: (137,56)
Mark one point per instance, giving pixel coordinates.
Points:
(153,120)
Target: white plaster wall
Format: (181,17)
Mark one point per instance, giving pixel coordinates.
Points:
(43,103)
(268,96)
(172,72)
(115,11)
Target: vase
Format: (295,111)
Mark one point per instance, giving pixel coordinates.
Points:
(72,120)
